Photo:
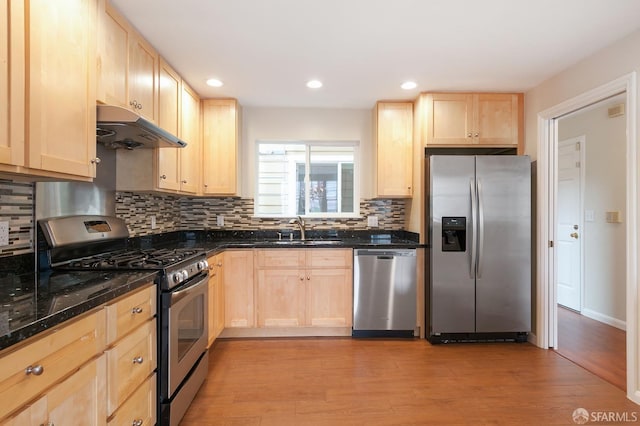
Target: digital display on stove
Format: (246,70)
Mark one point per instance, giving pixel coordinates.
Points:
(97,226)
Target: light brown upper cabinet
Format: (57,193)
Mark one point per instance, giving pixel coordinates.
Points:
(169,99)
(191,155)
(11,132)
(220,146)
(472,119)
(394,147)
(127,65)
(52,48)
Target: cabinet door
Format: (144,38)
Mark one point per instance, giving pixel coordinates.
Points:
(219,308)
(497,118)
(220,146)
(113,54)
(80,400)
(143,77)
(11,85)
(449,119)
(214,283)
(191,155)
(281,298)
(61,85)
(238,288)
(329,297)
(169,98)
(394,149)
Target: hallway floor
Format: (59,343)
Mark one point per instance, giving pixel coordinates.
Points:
(598,347)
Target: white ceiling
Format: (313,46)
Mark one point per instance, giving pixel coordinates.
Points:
(265,50)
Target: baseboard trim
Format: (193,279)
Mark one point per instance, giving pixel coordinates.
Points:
(614,322)
(286,332)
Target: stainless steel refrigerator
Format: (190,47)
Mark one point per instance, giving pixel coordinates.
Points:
(480,247)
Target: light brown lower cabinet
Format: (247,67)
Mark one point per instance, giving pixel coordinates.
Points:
(74,375)
(238,289)
(304,287)
(216,297)
(77,400)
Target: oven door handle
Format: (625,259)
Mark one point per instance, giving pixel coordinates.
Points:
(176,296)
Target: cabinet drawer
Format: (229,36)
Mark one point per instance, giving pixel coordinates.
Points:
(281,258)
(58,353)
(130,312)
(141,406)
(129,363)
(329,258)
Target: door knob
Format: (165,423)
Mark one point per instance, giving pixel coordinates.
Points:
(574,235)
(575,227)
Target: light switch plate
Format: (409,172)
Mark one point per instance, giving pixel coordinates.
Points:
(4,233)
(220,220)
(372,221)
(589,215)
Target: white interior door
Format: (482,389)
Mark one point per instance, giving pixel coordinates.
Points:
(569,236)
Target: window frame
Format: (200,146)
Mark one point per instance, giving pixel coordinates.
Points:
(308,144)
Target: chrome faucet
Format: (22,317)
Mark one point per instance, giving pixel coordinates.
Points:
(300,222)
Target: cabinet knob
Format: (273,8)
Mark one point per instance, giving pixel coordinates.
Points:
(163,176)
(301,278)
(476,135)
(184,181)
(136,310)
(95,160)
(138,360)
(308,278)
(36,370)
(469,134)
(220,264)
(137,422)
(206,186)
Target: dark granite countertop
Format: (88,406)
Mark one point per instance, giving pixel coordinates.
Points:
(214,241)
(32,303)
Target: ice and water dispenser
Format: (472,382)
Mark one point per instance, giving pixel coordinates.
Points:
(454,233)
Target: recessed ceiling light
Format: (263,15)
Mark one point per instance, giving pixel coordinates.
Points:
(214,82)
(408,85)
(314,84)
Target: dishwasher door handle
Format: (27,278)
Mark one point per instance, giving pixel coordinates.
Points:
(385,257)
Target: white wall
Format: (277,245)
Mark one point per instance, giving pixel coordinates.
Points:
(306,124)
(605,185)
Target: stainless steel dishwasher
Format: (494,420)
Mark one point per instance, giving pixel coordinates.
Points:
(384,293)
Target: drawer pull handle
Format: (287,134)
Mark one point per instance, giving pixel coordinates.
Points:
(36,370)
(136,310)
(138,360)
(137,422)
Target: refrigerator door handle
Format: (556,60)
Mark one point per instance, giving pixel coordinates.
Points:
(480,229)
(474,235)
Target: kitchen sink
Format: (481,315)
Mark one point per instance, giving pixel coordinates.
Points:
(305,242)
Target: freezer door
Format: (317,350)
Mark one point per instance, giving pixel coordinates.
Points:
(452,289)
(503,281)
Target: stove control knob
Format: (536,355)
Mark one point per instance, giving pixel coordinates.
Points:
(177,277)
(184,274)
(202,265)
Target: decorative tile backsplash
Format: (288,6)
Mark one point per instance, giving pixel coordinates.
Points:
(175,213)
(17,208)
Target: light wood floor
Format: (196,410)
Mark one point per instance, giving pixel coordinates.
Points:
(598,347)
(344,381)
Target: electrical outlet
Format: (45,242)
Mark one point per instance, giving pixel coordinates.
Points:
(220,220)
(4,233)
(154,225)
(372,221)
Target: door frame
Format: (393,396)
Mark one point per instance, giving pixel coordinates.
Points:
(546,292)
(582,141)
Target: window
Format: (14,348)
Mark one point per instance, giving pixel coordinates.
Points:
(306,179)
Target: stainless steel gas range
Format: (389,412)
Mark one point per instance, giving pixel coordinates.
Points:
(100,243)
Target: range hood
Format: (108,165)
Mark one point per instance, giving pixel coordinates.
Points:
(119,127)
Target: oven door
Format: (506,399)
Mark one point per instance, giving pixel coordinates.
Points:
(184,332)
